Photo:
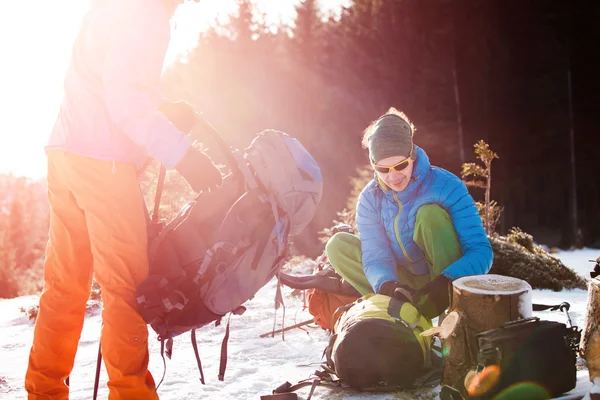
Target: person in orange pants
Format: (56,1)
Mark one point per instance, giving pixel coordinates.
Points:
(109,123)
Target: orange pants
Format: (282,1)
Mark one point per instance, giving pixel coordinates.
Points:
(97,226)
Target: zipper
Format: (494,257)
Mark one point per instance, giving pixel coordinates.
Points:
(397,232)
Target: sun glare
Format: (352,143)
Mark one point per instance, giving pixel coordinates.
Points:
(36,38)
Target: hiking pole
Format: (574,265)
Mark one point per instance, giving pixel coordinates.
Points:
(564,307)
(97,378)
(287,328)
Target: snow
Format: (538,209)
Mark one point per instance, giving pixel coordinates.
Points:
(255,365)
(595,389)
(485,284)
(525,304)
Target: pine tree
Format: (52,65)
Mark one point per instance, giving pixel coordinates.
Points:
(242,24)
(305,32)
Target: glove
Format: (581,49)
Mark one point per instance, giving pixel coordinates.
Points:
(342,228)
(180,113)
(396,290)
(198,170)
(438,293)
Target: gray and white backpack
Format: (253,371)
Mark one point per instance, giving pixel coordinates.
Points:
(226,244)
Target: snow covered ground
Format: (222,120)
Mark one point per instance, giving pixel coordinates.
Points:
(255,365)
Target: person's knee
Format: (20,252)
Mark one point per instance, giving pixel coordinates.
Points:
(341,242)
(433,216)
(342,246)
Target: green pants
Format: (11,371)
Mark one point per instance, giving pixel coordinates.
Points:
(434,234)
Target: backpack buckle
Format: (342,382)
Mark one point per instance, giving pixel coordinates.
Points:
(239,311)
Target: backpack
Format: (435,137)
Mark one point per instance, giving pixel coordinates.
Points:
(322,304)
(376,346)
(226,244)
(377,342)
(529,350)
(524,359)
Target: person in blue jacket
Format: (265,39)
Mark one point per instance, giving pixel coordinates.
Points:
(419,228)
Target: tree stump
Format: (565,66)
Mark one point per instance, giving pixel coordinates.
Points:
(482,302)
(590,342)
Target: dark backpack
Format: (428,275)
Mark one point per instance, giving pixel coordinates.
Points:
(228,243)
(530,351)
(529,359)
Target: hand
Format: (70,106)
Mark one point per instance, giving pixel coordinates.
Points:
(198,170)
(438,294)
(180,113)
(396,290)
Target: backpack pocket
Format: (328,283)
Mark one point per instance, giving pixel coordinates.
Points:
(242,272)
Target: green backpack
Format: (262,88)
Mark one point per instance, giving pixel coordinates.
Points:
(377,342)
(376,346)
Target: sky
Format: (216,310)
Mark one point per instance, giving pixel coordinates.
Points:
(35,41)
(255,365)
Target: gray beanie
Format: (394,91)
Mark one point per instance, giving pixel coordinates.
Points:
(390,136)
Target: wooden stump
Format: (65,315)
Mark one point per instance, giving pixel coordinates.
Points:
(482,302)
(590,342)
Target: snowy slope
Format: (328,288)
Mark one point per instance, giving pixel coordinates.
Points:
(255,365)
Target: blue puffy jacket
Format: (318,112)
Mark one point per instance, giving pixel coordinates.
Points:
(386,221)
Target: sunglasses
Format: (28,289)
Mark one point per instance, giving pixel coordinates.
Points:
(401,166)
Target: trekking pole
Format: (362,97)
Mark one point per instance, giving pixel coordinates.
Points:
(564,307)
(97,378)
(287,328)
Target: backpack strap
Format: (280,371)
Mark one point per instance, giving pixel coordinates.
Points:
(223,362)
(279,303)
(159,189)
(319,378)
(223,249)
(394,308)
(330,365)
(197,354)
(162,355)
(313,387)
